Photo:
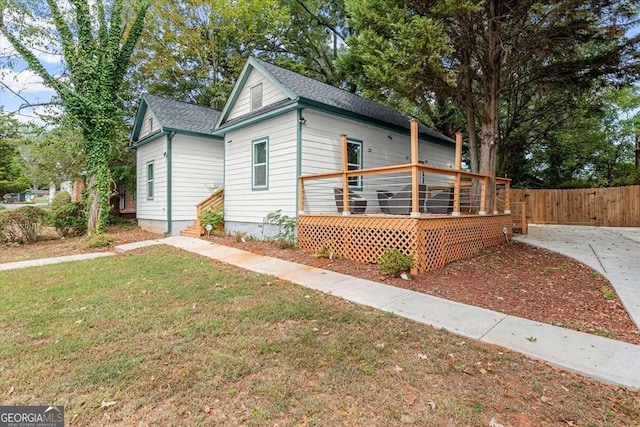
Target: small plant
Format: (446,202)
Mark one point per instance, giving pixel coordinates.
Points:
(213,217)
(594,274)
(394,262)
(326,251)
(244,237)
(286,236)
(99,241)
(608,294)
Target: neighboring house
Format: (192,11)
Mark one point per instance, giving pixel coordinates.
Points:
(278,125)
(123,202)
(178,162)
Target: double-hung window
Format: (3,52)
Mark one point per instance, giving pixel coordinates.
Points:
(354,162)
(150,181)
(260,164)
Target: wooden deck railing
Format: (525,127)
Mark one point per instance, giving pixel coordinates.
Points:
(415,168)
(212,202)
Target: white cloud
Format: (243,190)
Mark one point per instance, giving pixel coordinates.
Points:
(38,115)
(25,81)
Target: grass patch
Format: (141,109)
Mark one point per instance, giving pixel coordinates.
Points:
(175,339)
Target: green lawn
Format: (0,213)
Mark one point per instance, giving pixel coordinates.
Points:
(176,339)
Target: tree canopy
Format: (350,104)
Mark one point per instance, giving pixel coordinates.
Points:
(194,49)
(493,59)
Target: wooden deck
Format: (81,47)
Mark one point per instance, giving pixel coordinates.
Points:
(433,241)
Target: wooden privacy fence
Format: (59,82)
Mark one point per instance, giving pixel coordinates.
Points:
(606,207)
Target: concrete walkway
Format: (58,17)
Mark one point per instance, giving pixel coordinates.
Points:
(614,362)
(614,252)
(56,260)
(607,360)
(79,257)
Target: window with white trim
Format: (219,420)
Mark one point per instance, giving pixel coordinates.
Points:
(354,161)
(260,164)
(256,97)
(150,181)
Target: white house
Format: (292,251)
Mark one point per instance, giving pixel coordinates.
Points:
(178,162)
(277,125)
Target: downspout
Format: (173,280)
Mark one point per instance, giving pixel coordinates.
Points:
(170,136)
(298,156)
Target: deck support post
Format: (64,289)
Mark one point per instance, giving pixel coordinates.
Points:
(484,183)
(415,193)
(458,166)
(300,195)
(345,179)
(507,197)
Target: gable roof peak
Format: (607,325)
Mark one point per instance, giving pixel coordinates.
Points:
(314,91)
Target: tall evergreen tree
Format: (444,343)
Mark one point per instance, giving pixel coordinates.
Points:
(476,53)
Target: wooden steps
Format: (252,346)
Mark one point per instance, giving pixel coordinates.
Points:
(190,231)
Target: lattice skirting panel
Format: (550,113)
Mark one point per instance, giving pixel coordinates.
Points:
(432,241)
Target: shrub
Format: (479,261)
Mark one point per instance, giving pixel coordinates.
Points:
(393,261)
(69,219)
(213,217)
(23,224)
(60,199)
(99,241)
(7,231)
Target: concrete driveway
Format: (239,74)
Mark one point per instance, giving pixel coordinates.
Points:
(614,252)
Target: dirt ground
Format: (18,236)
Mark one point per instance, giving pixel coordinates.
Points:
(516,279)
(51,245)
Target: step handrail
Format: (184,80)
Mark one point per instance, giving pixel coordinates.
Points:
(213,201)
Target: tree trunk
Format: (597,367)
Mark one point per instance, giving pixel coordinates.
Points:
(99,192)
(491,88)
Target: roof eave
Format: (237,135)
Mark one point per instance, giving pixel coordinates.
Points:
(305,102)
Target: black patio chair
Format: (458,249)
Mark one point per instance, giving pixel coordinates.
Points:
(441,203)
(357,203)
(400,202)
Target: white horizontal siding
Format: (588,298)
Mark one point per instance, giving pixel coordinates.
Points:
(155,209)
(270,94)
(322,152)
(196,168)
(241,203)
(148,127)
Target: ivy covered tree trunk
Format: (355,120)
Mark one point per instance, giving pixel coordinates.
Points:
(96,40)
(99,189)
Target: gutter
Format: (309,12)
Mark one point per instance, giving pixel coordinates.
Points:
(170,136)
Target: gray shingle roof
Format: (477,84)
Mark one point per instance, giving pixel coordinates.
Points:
(314,90)
(182,116)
